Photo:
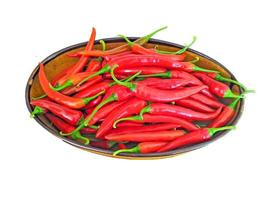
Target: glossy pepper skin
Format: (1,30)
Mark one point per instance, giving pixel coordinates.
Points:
(149,118)
(133,106)
(193,137)
(206,100)
(225,116)
(144,128)
(155,136)
(157,95)
(143,147)
(71,116)
(166,84)
(216,87)
(94,65)
(70,102)
(194,105)
(144,70)
(178,111)
(75,89)
(155,61)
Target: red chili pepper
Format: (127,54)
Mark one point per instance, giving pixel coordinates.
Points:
(120,49)
(182,75)
(88,130)
(144,128)
(128,124)
(104,144)
(103,112)
(166,83)
(122,91)
(227,113)
(118,76)
(83,59)
(218,77)
(143,147)
(155,61)
(178,111)
(132,106)
(144,70)
(73,117)
(121,146)
(61,75)
(137,48)
(193,138)
(148,118)
(65,127)
(93,103)
(195,105)
(216,87)
(94,89)
(206,100)
(153,94)
(155,136)
(71,102)
(110,57)
(94,65)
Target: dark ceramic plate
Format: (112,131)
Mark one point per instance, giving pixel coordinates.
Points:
(58,61)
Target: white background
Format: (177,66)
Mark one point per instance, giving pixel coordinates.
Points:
(36,165)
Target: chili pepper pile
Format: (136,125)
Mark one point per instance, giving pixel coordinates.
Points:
(135,99)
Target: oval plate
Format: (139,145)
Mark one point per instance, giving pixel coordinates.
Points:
(58,61)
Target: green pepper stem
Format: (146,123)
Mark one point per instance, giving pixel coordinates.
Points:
(195,60)
(230,94)
(68,83)
(221,78)
(94,127)
(126,84)
(111,98)
(179,51)
(106,68)
(234,103)
(212,131)
(196,68)
(127,40)
(162,75)
(40,97)
(146,38)
(103,45)
(88,99)
(37,110)
(136,117)
(132,150)
(77,135)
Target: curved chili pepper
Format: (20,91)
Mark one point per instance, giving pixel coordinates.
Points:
(118,76)
(193,138)
(144,70)
(227,113)
(71,102)
(216,87)
(155,136)
(121,146)
(73,117)
(75,89)
(153,94)
(206,100)
(133,106)
(137,48)
(155,61)
(144,128)
(143,147)
(110,57)
(128,124)
(148,118)
(195,105)
(83,59)
(166,83)
(218,77)
(183,75)
(178,111)
(121,48)
(94,65)
(63,126)
(120,90)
